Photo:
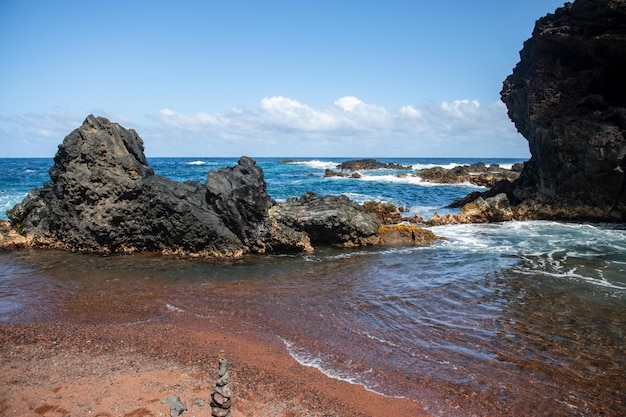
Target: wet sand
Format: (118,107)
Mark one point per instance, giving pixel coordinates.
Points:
(77,369)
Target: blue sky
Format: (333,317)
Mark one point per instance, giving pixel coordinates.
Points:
(266,78)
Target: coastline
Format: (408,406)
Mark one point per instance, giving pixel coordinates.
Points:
(63,368)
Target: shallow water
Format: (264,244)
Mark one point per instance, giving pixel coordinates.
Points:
(520,318)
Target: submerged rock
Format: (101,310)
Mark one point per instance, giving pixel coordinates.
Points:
(567,97)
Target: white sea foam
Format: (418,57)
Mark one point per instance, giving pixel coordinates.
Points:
(9,201)
(413,180)
(581,252)
(317,164)
(197,163)
(306,358)
(428,166)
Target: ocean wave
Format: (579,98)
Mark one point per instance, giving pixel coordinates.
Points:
(584,252)
(413,180)
(451,165)
(306,358)
(317,164)
(568,274)
(9,201)
(196,163)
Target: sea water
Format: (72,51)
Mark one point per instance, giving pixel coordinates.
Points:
(514,318)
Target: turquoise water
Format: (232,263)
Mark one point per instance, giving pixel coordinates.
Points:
(518,318)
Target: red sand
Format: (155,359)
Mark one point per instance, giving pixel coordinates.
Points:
(67,369)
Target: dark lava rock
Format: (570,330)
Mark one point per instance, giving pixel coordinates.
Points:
(567,96)
(105,198)
(365,164)
(477,174)
(334,220)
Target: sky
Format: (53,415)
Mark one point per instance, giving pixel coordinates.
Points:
(288,78)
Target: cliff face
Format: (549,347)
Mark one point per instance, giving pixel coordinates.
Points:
(567,97)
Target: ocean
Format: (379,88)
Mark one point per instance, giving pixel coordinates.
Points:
(503,319)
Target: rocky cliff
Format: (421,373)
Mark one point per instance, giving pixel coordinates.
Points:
(567,96)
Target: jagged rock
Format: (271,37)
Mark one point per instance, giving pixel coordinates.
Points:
(477,174)
(567,97)
(439,220)
(385,213)
(10,239)
(334,220)
(494,209)
(405,235)
(105,198)
(329,173)
(364,164)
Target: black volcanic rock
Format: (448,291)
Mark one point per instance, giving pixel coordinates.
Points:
(365,164)
(567,96)
(105,198)
(329,220)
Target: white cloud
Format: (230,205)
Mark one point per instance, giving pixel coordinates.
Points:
(348,103)
(282,126)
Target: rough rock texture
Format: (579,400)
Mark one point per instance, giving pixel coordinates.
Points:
(405,235)
(478,174)
(365,164)
(329,220)
(105,198)
(9,238)
(567,96)
(385,213)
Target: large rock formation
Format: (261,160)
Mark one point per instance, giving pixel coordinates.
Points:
(329,220)
(105,198)
(567,96)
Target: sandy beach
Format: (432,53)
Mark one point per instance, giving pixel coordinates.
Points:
(70,369)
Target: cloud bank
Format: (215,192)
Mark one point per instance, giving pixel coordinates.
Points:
(282,126)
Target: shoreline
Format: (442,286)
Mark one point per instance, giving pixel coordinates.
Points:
(75,369)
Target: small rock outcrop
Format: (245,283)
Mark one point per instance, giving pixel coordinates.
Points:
(365,164)
(105,198)
(567,97)
(386,213)
(329,220)
(477,174)
(10,239)
(221,399)
(405,235)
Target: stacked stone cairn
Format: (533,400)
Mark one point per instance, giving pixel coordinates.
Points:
(221,397)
